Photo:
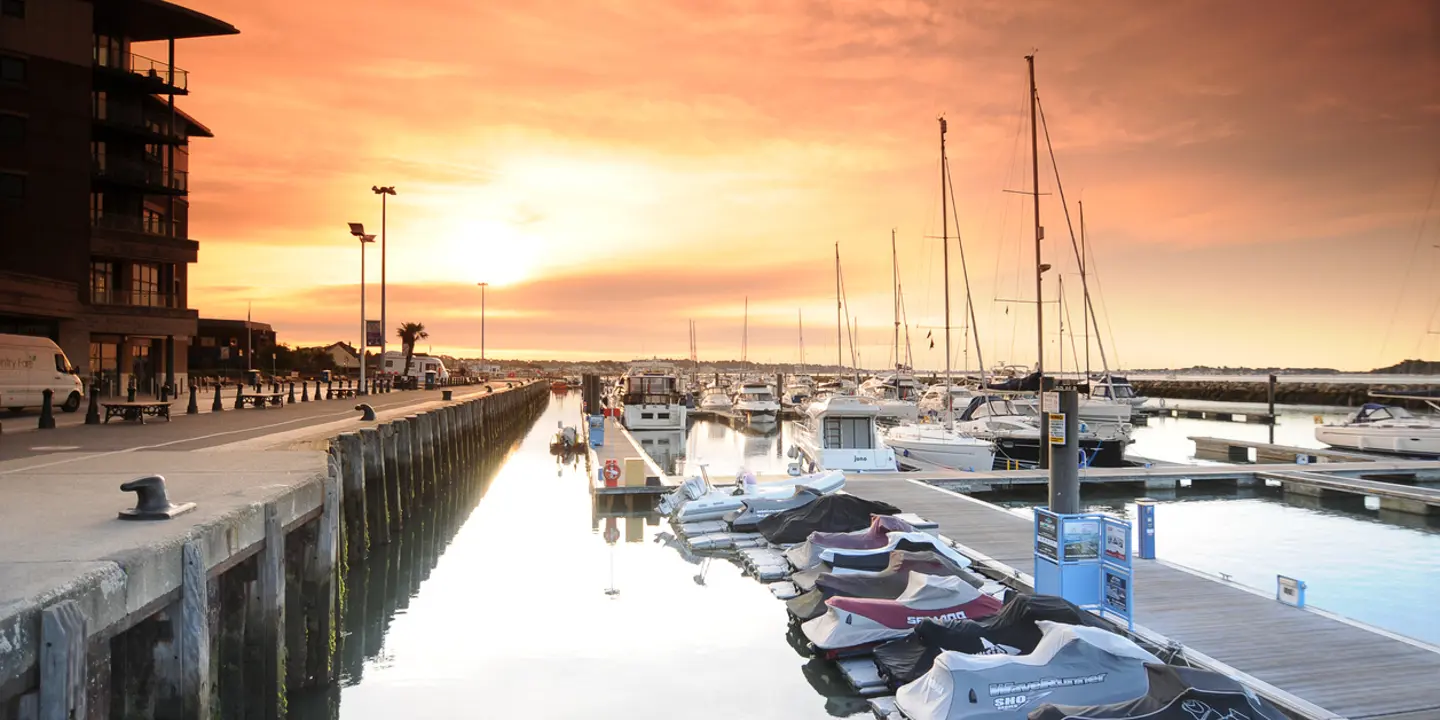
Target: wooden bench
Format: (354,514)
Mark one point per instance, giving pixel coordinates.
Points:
(262,399)
(136,410)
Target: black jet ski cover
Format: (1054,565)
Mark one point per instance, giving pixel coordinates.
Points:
(885,585)
(749,516)
(832,513)
(1012,631)
(1174,694)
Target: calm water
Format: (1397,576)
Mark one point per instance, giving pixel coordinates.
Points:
(519,607)
(514,619)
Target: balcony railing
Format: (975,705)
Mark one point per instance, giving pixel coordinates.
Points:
(131,298)
(133,118)
(151,69)
(160,227)
(143,174)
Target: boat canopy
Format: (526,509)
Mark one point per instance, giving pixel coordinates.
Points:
(982,406)
(1375,412)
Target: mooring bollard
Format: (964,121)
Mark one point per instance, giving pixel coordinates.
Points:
(193,407)
(130,390)
(329,390)
(304,391)
(151,502)
(291,400)
(47,410)
(92,414)
(239,396)
(217,405)
(164,393)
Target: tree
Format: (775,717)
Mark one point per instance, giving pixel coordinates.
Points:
(409,334)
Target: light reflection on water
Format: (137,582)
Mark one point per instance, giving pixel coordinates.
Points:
(1167,438)
(515,621)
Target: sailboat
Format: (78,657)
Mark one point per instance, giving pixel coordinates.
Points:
(896,392)
(942,444)
(801,387)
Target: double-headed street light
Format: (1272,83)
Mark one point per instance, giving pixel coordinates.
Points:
(383,192)
(358,231)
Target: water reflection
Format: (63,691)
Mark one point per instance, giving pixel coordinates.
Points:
(503,610)
(726,446)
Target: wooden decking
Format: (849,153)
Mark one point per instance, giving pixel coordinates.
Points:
(1318,665)
(619,445)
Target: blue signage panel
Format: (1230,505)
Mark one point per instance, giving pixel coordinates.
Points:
(1086,559)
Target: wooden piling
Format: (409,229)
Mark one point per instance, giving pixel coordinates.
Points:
(183,674)
(390,458)
(63,632)
(404,463)
(427,453)
(378,513)
(352,469)
(271,588)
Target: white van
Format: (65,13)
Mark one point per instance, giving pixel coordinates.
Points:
(29,365)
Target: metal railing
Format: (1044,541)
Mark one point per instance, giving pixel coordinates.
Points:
(132,117)
(153,69)
(161,227)
(131,298)
(136,172)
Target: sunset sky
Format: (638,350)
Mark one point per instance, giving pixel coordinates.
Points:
(1255,174)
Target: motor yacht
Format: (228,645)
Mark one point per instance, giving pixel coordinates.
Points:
(755,402)
(839,433)
(650,397)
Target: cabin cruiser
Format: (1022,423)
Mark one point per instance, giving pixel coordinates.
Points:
(839,433)
(650,398)
(932,403)
(798,391)
(1384,428)
(715,399)
(755,402)
(1117,388)
(1017,435)
(895,393)
(946,446)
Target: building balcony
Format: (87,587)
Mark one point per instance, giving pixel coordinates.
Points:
(142,74)
(146,176)
(163,301)
(127,121)
(157,227)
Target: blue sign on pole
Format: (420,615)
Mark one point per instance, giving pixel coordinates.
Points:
(1086,559)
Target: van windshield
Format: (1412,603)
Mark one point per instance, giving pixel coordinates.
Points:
(63,365)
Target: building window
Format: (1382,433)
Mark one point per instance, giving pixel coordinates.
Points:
(12,186)
(97,155)
(102,282)
(109,52)
(104,369)
(12,130)
(99,103)
(13,8)
(97,205)
(154,222)
(12,69)
(145,285)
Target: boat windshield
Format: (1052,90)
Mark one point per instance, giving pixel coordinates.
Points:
(1375,413)
(849,433)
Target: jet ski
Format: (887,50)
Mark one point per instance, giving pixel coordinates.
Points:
(886,584)
(697,500)
(1012,631)
(1174,693)
(851,625)
(806,555)
(755,509)
(875,559)
(834,514)
(1071,664)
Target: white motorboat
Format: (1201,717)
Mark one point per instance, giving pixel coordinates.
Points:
(895,393)
(715,399)
(755,402)
(799,391)
(1017,435)
(948,447)
(839,434)
(1097,410)
(1384,428)
(932,403)
(650,397)
(1117,388)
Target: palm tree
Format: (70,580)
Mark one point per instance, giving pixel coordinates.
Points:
(409,334)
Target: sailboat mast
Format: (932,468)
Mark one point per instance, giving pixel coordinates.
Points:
(745,336)
(1039,268)
(945,243)
(839,339)
(1085,293)
(800,315)
(895,294)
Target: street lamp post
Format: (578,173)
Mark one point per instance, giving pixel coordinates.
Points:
(482,327)
(358,231)
(383,192)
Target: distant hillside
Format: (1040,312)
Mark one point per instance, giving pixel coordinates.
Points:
(1410,367)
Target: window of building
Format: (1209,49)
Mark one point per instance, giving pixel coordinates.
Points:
(13,8)
(97,205)
(97,154)
(102,282)
(12,186)
(99,103)
(104,369)
(12,130)
(12,69)
(109,51)
(145,285)
(154,221)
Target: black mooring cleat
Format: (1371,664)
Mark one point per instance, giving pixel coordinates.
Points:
(367,412)
(151,503)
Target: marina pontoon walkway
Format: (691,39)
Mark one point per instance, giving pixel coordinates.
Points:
(1329,667)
